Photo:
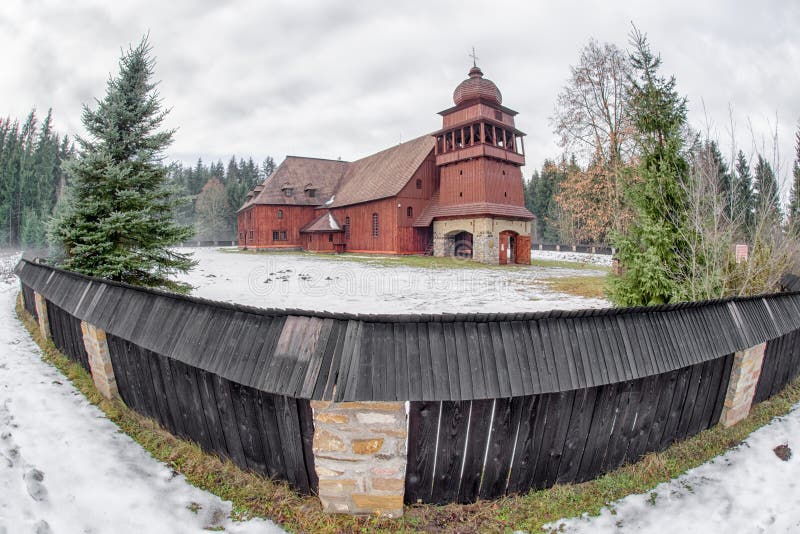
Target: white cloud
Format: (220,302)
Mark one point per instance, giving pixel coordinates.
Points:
(346,79)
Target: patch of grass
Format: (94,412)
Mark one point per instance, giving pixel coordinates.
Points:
(254,495)
(562,264)
(582,286)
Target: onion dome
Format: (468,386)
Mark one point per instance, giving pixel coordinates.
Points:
(476,86)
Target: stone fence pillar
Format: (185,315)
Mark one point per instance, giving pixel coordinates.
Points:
(41,314)
(745,373)
(94,339)
(360,456)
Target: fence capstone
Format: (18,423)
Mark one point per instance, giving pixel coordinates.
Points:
(360,456)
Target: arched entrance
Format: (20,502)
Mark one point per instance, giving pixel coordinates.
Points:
(462,245)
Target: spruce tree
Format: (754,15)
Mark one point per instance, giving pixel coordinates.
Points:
(767,197)
(650,251)
(794,196)
(744,200)
(120,224)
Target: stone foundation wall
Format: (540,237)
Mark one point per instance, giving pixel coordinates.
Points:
(94,339)
(745,373)
(485,236)
(360,456)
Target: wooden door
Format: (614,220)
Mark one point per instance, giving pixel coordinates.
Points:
(522,252)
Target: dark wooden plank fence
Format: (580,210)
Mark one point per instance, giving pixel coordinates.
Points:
(266,433)
(500,403)
(67,335)
(28,301)
(462,451)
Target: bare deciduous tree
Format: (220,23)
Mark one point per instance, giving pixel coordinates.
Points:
(592,114)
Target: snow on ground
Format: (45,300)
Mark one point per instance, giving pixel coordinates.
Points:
(65,468)
(749,489)
(367,285)
(577,257)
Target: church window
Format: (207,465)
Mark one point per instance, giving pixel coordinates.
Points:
(374,225)
(279,235)
(347,228)
(280,214)
(287,191)
(330,238)
(419,183)
(311,193)
(410,211)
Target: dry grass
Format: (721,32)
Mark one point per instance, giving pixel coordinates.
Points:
(592,287)
(253,495)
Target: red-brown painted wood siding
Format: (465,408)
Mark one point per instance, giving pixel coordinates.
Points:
(361,238)
(476,111)
(481,180)
(263,221)
(322,242)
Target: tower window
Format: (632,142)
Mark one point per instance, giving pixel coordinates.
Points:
(498,115)
(347,228)
(419,183)
(374,225)
(280,214)
(409,211)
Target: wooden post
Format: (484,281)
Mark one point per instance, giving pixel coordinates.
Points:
(360,456)
(41,314)
(745,373)
(94,339)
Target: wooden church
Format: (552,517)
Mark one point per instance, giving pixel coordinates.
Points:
(455,192)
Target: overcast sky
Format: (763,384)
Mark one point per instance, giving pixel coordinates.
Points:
(346,79)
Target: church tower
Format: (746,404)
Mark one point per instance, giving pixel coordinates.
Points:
(480,210)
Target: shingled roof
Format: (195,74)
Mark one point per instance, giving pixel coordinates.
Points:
(300,174)
(324,223)
(434,210)
(383,174)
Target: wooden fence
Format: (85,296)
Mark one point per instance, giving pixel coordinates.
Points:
(498,403)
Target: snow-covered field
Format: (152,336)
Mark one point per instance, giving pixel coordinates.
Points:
(332,283)
(65,468)
(577,257)
(749,489)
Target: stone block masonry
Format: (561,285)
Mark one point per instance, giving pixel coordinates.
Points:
(745,373)
(94,339)
(360,456)
(41,314)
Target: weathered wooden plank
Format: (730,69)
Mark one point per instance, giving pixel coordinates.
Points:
(208,398)
(245,410)
(527,443)
(479,430)
(559,411)
(423,424)
(227,419)
(580,421)
(450,455)
(498,457)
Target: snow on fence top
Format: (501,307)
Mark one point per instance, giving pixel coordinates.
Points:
(345,357)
